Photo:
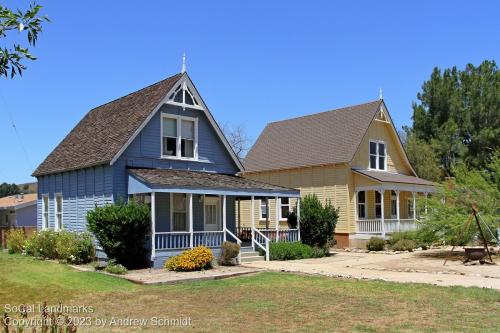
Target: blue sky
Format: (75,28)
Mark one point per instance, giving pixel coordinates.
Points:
(253,62)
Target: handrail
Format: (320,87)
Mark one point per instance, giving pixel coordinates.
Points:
(238,241)
(266,249)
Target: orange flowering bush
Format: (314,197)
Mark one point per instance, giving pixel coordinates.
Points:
(191,260)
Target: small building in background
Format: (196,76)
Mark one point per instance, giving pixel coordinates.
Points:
(18,211)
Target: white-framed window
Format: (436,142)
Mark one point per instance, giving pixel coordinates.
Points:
(284,208)
(58,201)
(378,205)
(410,208)
(45,212)
(264,210)
(378,155)
(178,216)
(362,205)
(394,203)
(179,137)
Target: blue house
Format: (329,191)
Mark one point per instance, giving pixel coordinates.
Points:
(159,145)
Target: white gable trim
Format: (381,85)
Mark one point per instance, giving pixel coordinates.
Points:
(165,100)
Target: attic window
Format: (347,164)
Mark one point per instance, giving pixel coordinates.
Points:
(183,95)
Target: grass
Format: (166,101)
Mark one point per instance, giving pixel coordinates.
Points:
(264,302)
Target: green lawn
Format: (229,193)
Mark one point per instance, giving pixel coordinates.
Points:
(267,301)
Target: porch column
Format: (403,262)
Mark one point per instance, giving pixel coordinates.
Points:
(190,199)
(277,218)
(252,215)
(397,210)
(426,195)
(298,217)
(414,206)
(153,225)
(224,216)
(382,211)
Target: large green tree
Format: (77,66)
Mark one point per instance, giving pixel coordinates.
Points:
(457,116)
(27,22)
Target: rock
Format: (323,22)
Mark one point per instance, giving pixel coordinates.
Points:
(347,249)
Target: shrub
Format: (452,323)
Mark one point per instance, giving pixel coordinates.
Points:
(114,268)
(397,236)
(75,248)
(375,244)
(317,222)
(404,245)
(42,244)
(191,260)
(15,240)
(121,230)
(294,250)
(229,252)
(292,220)
(423,237)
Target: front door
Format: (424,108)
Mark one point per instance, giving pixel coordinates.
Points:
(212,214)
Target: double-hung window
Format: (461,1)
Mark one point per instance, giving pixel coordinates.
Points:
(179,212)
(361,204)
(45,212)
(263,214)
(179,137)
(59,211)
(378,205)
(284,207)
(377,155)
(410,208)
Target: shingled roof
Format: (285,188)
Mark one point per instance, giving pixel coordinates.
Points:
(323,138)
(100,135)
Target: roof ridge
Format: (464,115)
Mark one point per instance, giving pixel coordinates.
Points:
(136,91)
(323,112)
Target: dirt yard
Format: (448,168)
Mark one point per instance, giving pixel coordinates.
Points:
(416,267)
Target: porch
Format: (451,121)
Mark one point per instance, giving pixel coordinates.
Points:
(192,208)
(387,203)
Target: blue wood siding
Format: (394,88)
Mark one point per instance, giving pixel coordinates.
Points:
(81,190)
(26,216)
(145,150)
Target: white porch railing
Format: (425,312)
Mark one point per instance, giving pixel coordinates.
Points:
(261,241)
(280,235)
(374,226)
(208,238)
(238,241)
(172,240)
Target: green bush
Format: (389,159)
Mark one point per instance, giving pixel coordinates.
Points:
(121,230)
(15,240)
(229,251)
(75,248)
(317,222)
(424,237)
(42,244)
(114,268)
(292,220)
(375,244)
(404,245)
(397,236)
(294,250)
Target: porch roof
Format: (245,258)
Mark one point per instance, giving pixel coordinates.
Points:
(199,182)
(396,181)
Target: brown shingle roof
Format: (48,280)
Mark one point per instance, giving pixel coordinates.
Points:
(100,135)
(387,177)
(171,178)
(322,138)
(14,200)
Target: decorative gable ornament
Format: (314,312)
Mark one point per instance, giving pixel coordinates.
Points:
(381,115)
(183,95)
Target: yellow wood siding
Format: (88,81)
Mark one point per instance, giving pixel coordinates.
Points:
(395,155)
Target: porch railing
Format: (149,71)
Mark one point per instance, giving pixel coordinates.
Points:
(374,226)
(284,235)
(238,241)
(172,240)
(208,238)
(261,241)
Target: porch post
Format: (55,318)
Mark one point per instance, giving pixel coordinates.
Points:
(190,198)
(414,206)
(298,217)
(224,216)
(277,218)
(426,194)
(153,225)
(382,211)
(397,210)
(252,215)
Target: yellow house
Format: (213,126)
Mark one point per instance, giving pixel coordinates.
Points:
(351,156)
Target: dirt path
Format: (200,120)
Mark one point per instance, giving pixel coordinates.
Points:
(406,267)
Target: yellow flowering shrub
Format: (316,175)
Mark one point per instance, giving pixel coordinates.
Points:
(191,260)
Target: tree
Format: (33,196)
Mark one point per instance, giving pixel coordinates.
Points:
(423,158)
(458,115)
(11,59)
(9,189)
(238,139)
(317,222)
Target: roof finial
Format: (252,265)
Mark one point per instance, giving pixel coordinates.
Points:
(183,70)
(380,93)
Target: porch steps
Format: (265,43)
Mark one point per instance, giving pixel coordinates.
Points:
(248,255)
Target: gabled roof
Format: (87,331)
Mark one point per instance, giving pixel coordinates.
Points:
(388,177)
(98,137)
(329,137)
(18,201)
